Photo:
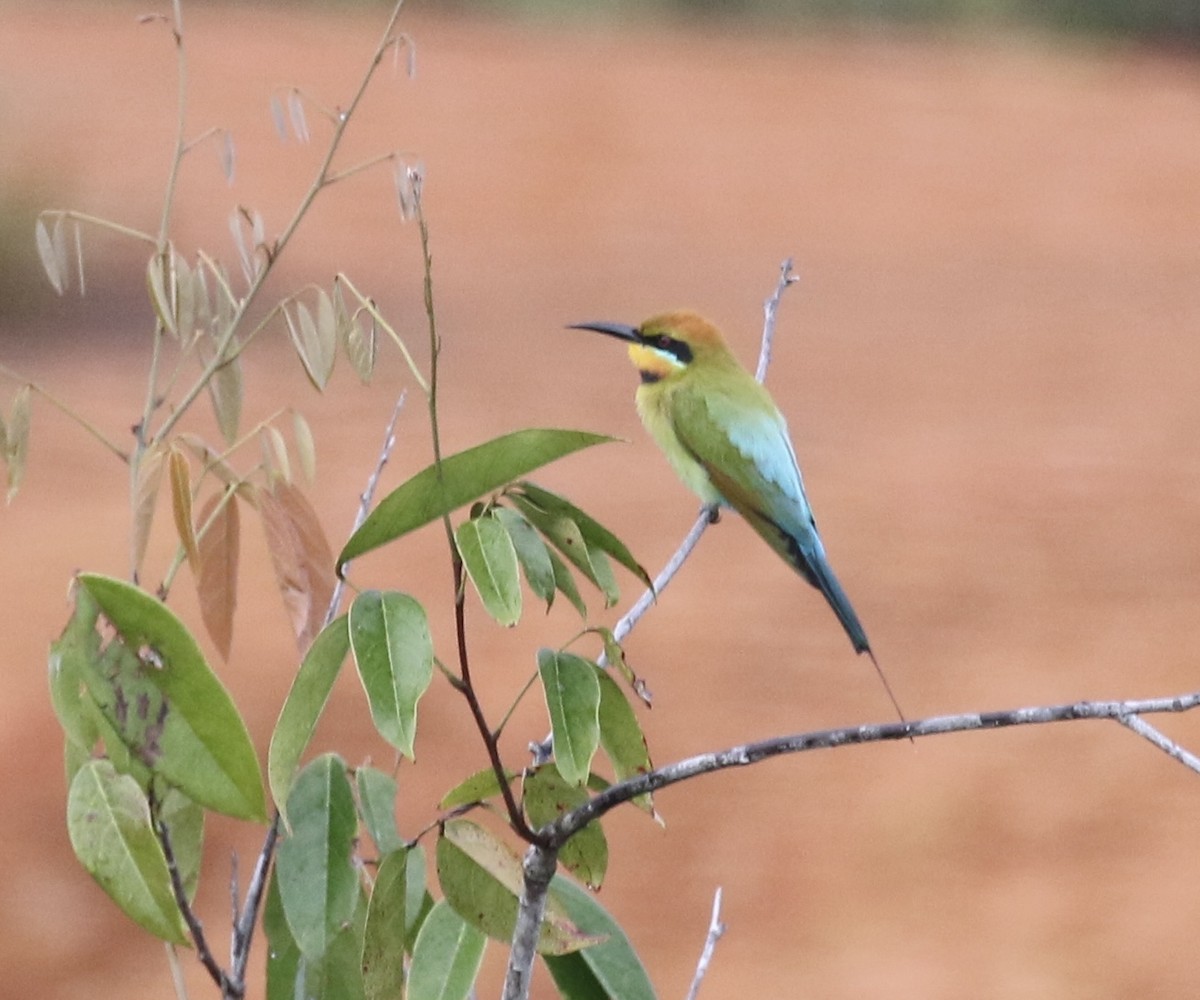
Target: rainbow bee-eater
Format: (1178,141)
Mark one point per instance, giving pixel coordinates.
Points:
(727,440)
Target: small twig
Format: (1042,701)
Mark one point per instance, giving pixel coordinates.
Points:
(572,822)
(1164,743)
(243,930)
(229,988)
(365,499)
(770,308)
(715,930)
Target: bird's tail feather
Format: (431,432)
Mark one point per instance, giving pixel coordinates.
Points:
(816,569)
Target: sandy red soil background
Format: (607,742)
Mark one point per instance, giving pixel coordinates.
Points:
(991,368)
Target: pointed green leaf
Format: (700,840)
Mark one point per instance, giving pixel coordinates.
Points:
(303,707)
(479,787)
(418,902)
(546,798)
(377,793)
(572,693)
(565,583)
(108,820)
(491,562)
(71,657)
(531,551)
(463,477)
(191,734)
(621,736)
(383,939)
(481,878)
(613,963)
(447,957)
(290,976)
(318,884)
(389,634)
(284,961)
(574,979)
(596,535)
(561,532)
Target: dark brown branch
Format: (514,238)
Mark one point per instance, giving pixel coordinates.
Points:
(229,987)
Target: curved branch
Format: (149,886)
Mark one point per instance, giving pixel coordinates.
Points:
(1124,712)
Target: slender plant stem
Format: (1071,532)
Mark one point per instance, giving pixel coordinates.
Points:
(491,744)
(716,930)
(66,410)
(319,182)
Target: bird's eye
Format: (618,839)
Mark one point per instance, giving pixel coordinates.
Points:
(664,341)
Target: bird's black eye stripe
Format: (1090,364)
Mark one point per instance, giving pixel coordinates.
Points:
(681,351)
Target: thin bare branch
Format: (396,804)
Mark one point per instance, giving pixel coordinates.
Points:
(752,753)
(538,867)
(715,931)
(770,308)
(1164,743)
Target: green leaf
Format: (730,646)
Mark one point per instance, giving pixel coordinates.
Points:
(595,534)
(613,963)
(491,562)
(377,793)
(418,902)
(383,939)
(479,787)
(194,737)
(562,533)
(572,693)
(621,736)
(303,707)
(290,976)
(464,477)
(564,582)
(71,657)
(184,821)
(447,957)
(481,878)
(531,551)
(389,634)
(546,798)
(283,954)
(318,885)
(108,820)
(574,978)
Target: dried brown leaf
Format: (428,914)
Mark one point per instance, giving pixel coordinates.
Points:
(16,439)
(301,557)
(49,258)
(225,390)
(156,285)
(275,454)
(216,580)
(180,474)
(306,447)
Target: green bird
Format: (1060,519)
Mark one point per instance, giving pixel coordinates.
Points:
(727,440)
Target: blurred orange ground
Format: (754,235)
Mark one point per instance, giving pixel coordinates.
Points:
(992,374)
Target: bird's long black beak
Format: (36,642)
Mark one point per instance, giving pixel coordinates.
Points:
(618,330)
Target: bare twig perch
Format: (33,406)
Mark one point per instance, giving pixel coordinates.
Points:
(715,930)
